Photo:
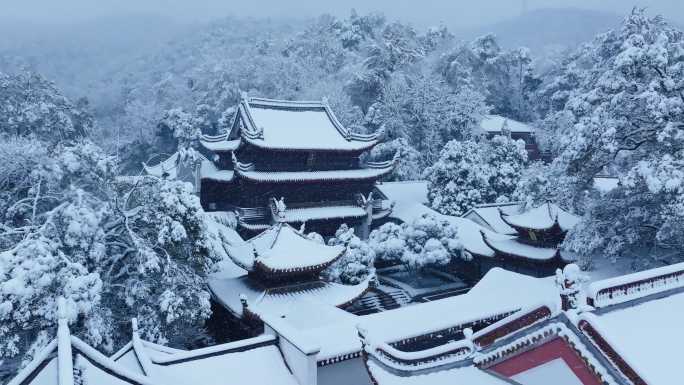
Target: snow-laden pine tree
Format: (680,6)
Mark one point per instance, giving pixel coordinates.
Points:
(625,116)
(69,227)
(427,241)
(468,173)
(505,77)
(32,105)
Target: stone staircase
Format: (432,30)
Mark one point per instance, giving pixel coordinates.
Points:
(381,299)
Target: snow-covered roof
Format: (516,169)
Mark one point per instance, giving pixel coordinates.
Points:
(488,215)
(55,364)
(542,218)
(208,170)
(281,249)
(280,300)
(515,248)
(405,191)
(304,214)
(633,286)
(254,361)
(296,125)
(647,336)
(410,199)
(455,375)
(495,123)
(219,143)
(605,183)
(242,359)
(167,168)
(173,168)
(370,171)
(491,297)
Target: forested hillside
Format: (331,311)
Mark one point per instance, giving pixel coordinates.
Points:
(614,105)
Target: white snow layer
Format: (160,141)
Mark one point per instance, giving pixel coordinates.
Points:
(494,123)
(406,196)
(543,217)
(489,216)
(282,247)
(641,284)
(299,129)
(466,375)
(647,336)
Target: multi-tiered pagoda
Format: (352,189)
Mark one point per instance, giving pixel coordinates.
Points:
(536,248)
(294,158)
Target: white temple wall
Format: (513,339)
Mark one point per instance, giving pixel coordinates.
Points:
(301,361)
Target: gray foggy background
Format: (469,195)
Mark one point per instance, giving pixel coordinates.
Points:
(452,13)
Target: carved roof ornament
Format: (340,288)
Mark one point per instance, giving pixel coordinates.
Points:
(278,208)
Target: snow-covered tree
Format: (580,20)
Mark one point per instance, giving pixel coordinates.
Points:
(407,166)
(162,277)
(427,241)
(505,77)
(113,252)
(180,128)
(31,105)
(459,179)
(420,107)
(469,173)
(627,117)
(356,263)
(507,158)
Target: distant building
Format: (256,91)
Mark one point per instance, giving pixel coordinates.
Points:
(489,216)
(294,153)
(493,125)
(535,249)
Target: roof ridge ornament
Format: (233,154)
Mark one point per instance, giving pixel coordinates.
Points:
(278,209)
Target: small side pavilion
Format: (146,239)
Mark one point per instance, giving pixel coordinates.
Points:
(282,270)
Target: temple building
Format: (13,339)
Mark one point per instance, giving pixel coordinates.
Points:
(281,273)
(297,155)
(624,330)
(289,154)
(493,125)
(535,247)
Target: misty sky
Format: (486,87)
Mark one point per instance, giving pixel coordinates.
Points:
(419,12)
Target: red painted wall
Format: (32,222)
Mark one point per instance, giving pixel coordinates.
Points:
(548,351)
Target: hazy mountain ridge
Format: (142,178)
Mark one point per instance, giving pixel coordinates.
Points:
(546,27)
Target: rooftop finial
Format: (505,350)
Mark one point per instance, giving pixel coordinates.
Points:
(373,280)
(243,95)
(325,100)
(569,282)
(243,301)
(134,325)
